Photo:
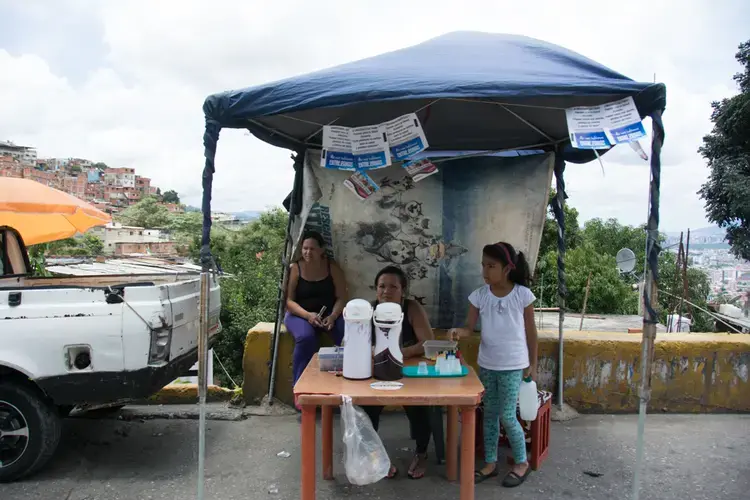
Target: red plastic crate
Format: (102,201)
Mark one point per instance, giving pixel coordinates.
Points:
(537,435)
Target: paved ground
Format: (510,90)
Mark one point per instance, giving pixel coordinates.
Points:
(689,457)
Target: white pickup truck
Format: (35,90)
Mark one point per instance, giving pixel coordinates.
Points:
(82,341)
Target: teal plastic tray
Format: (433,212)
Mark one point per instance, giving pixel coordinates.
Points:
(411,371)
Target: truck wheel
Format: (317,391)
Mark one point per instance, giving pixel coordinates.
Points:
(30,430)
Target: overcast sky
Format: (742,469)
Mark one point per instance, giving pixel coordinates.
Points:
(123,81)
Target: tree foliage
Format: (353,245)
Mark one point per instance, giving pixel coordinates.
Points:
(252,256)
(573,235)
(593,250)
(727,151)
(170,196)
(146,213)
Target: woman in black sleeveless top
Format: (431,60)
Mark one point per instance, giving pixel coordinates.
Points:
(391,285)
(315,284)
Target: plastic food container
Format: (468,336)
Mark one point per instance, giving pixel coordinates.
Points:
(331,359)
(434,347)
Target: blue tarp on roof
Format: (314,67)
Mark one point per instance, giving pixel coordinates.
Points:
(473,91)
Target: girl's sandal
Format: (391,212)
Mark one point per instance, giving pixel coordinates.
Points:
(480,477)
(512,479)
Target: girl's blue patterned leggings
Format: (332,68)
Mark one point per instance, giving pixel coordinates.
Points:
(500,404)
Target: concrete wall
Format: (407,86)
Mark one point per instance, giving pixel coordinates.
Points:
(692,373)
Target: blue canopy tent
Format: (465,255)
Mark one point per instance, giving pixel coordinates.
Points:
(471,91)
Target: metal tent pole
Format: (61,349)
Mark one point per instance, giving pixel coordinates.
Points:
(210,138)
(650,317)
(203,377)
(284,278)
(559,209)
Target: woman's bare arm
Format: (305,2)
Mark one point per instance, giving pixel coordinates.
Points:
(291,305)
(422,329)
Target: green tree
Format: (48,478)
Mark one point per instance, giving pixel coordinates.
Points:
(252,259)
(76,169)
(92,244)
(608,294)
(573,235)
(146,213)
(170,196)
(609,236)
(100,166)
(727,150)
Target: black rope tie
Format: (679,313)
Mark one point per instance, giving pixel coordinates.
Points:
(652,248)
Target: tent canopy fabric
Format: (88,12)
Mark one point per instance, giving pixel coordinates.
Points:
(472,91)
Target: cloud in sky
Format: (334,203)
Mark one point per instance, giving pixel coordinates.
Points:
(123,82)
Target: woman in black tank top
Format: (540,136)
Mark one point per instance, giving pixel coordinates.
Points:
(316,297)
(391,285)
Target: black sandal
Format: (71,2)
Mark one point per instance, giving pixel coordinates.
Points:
(480,477)
(511,479)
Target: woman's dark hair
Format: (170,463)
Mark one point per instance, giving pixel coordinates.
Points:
(314,235)
(395,271)
(507,256)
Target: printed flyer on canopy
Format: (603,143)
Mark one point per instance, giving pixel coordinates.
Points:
(604,126)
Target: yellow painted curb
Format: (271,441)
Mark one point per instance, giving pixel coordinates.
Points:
(188,393)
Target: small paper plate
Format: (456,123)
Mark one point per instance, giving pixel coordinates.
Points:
(386,386)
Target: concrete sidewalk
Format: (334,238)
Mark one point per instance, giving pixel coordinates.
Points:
(689,458)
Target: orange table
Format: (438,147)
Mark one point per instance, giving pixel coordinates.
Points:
(316,388)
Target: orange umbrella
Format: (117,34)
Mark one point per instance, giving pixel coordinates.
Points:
(41,213)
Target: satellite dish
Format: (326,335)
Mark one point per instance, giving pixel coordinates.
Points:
(625,260)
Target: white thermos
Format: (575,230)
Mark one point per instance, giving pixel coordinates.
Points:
(358,340)
(389,360)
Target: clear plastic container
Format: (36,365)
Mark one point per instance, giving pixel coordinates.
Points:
(434,347)
(331,359)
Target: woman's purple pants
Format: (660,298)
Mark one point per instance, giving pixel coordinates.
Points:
(306,342)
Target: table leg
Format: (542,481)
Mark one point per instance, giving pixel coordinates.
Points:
(451,456)
(307,431)
(468,430)
(327,441)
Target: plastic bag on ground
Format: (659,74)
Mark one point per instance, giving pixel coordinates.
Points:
(365,458)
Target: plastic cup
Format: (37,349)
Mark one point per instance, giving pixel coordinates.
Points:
(422,368)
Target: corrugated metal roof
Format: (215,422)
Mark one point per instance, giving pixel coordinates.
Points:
(146,265)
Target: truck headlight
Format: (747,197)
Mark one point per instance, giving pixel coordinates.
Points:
(160,343)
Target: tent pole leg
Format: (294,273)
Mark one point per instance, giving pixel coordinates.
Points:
(650,288)
(283,280)
(205,287)
(559,209)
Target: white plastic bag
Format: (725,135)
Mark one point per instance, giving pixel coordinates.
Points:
(365,458)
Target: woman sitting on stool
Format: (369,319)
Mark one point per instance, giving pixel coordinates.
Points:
(316,284)
(391,285)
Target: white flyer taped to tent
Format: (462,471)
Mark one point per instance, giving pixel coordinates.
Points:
(420,169)
(600,127)
(406,136)
(361,185)
(361,148)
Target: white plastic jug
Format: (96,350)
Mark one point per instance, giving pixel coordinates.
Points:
(389,360)
(528,400)
(357,340)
